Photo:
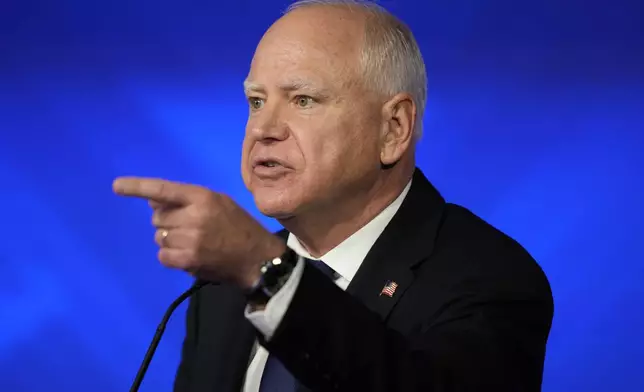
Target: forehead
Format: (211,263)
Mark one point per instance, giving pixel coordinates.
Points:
(319,45)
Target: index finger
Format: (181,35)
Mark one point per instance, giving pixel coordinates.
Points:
(154,189)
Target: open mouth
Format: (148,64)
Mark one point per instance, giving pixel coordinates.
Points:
(270,169)
(269,164)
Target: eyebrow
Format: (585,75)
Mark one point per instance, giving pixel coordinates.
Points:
(293,85)
(250,86)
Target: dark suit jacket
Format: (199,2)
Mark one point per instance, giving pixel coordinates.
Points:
(472,312)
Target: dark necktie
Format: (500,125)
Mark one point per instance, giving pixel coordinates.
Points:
(276,378)
(326,270)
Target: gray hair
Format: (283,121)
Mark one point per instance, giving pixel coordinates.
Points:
(391,58)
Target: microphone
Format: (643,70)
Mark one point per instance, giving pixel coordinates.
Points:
(160,329)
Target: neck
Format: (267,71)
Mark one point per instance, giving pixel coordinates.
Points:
(325,228)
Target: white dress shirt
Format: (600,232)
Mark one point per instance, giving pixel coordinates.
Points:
(345,259)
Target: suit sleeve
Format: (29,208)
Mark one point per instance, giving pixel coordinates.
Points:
(479,342)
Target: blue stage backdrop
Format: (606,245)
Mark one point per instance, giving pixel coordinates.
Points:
(535,121)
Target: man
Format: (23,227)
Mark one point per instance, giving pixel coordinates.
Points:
(421,295)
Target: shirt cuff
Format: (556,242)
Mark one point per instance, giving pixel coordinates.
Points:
(268,319)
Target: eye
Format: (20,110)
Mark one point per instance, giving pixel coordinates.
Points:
(303,101)
(255,103)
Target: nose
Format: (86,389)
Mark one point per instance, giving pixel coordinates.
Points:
(269,127)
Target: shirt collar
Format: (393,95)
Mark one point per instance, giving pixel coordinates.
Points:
(347,257)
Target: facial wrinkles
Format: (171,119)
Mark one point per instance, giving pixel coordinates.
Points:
(329,56)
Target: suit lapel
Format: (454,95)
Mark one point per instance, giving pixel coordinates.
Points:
(405,242)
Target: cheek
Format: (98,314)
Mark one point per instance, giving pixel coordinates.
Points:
(334,151)
(245,165)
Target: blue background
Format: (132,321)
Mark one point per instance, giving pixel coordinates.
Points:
(535,121)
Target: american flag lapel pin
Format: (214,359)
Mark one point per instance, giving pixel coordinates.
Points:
(389,289)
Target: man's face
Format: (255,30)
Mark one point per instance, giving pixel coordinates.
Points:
(312,132)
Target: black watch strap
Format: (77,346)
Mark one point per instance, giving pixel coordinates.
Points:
(274,274)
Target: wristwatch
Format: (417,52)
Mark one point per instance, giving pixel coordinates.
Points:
(274,274)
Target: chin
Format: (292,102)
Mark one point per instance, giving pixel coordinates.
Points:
(274,205)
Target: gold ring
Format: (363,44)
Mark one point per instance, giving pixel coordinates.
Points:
(164,235)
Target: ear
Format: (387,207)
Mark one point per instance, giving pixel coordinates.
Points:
(399,121)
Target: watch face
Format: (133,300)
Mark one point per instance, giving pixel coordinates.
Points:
(275,273)
(281,281)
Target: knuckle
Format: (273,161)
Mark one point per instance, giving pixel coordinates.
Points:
(195,213)
(202,195)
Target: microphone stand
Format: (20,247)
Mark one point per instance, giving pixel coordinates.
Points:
(159,333)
